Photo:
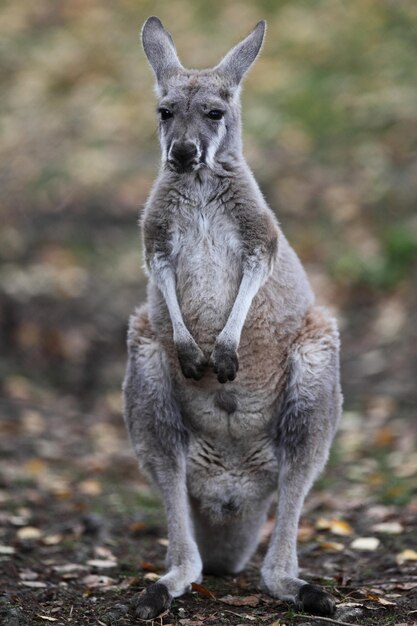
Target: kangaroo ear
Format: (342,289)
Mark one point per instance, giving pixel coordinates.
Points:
(237,62)
(160,49)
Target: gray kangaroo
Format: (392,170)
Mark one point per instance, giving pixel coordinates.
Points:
(232,385)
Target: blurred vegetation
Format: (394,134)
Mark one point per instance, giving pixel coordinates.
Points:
(330,126)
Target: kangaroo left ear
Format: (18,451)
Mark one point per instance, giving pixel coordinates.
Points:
(159,47)
(237,62)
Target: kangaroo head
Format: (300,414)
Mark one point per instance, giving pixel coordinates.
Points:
(199,110)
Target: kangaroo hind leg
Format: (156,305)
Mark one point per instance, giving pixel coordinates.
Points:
(159,439)
(304,431)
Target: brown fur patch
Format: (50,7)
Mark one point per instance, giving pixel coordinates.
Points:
(139,327)
(317,324)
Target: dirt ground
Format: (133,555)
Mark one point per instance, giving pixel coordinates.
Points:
(81,534)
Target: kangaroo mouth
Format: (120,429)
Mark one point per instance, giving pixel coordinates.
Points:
(184,168)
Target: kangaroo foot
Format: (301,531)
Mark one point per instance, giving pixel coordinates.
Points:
(313,599)
(152,601)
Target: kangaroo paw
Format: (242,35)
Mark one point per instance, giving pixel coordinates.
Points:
(225,362)
(192,360)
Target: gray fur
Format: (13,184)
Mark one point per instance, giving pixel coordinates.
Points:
(232,385)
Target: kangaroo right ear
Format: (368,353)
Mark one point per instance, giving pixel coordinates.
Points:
(237,62)
(160,49)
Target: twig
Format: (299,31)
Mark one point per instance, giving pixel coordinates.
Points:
(240,614)
(328,620)
(388,581)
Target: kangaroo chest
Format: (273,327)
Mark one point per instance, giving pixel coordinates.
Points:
(206,253)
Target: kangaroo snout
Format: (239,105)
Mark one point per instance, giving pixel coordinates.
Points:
(183,155)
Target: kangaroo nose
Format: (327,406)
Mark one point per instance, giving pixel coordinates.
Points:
(183,154)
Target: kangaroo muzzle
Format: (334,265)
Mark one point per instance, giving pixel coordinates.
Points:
(183,156)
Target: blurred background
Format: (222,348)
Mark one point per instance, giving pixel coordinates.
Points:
(330,130)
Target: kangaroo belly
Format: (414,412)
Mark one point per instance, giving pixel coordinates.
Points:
(230,479)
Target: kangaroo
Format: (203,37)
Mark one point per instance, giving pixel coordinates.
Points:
(231,393)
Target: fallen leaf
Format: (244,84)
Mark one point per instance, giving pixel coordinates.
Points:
(28,533)
(383,601)
(240,600)
(340,527)
(48,619)
(202,590)
(401,586)
(90,488)
(104,553)
(366,544)
(163,542)
(406,555)
(52,540)
(152,576)
(69,567)
(36,584)
(323,523)
(391,528)
(7,550)
(335,526)
(386,602)
(331,546)
(93,581)
(147,566)
(137,527)
(305,533)
(102,563)
(35,467)
(130,581)
(28,574)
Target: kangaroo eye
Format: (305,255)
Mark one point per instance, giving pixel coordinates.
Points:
(165,114)
(215,114)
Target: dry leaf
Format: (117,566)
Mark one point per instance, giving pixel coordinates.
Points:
(7,550)
(104,553)
(331,546)
(93,581)
(68,568)
(147,566)
(240,600)
(366,544)
(35,467)
(383,601)
(28,533)
(52,540)
(323,523)
(102,563)
(406,555)
(305,533)
(202,590)
(48,619)
(163,542)
(336,526)
(137,527)
(386,602)
(36,584)
(391,528)
(152,576)
(90,488)
(340,527)
(28,574)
